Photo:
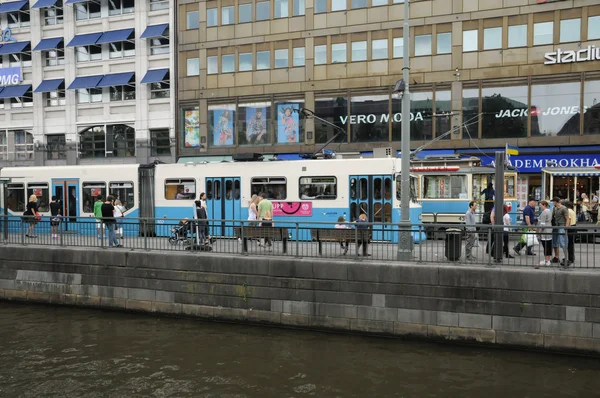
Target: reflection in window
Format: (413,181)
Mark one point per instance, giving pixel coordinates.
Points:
(228,63)
(555,109)
(369,120)
(263,10)
(543,33)
(15,197)
(379,49)
(445,187)
(492,38)
(281,8)
(422,45)
(414,187)
(90,192)
(245,62)
(281,58)
(227,15)
(298,8)
(443,104)
(245,13)
(274,187)
(421,121)
(359,51)
(470,39)
(570,30)
(334,110)
(504,112)
(359,3)
(160,142)
(338,53)
(180,189)
(23,145)
(212,18)
(320,6)
(594,28)
(591,106)
(212,65)
(122,191)
(192,20)
(338,5)
(193,67)
(470,110)
(299,55)
(319,188)
(263,60)
(254,120)
(444,43)
(517,36)
(41,191)
(399,47)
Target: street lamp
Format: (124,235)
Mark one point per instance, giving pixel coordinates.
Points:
(401,90)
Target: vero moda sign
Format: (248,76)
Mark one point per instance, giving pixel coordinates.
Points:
(10,76)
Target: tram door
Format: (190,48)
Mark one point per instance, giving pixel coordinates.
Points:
(223,203)
(372,196)
(67,192)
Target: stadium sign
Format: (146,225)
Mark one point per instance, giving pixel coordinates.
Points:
(590,53)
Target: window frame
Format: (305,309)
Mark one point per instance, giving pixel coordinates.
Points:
(258,54)
(263,4)
(84,8)
(92,198)
(423,37)
(469,32)
(180,182)
(322,48)
(58,14)
(342,60)
(125,188)
(122,8)
(115,53)
(159,45)
(240,69)
(95,55)
(294,64)
(17,186)
(490,39)
(287,58)
(191,22)
(195,68)
(156,5)
(269,181)
(464,189)
(517,35)
(551,23)
(160,144)
(57,60)
(230,14)
(59,99)
(43,198)
(373,49)
(564,22)
(302,186)
(247,14)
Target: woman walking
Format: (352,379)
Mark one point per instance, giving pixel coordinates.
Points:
(545,221)
(119,216)
(506,221)
(30,214)
(252,210)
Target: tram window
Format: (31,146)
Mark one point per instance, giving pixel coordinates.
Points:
(236,190)
(217,191)
(445,187)
(228,189)
(15,197)
(319,188)
(377,189)
(353,188)
(41,191)
(363,192)
(274,187)
(180,189)
(90,192)
(209,190)
(388,188)
(414,187)
(124,192)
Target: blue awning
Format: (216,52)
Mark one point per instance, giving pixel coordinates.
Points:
(13,6)
(49,85)
(14,91)
(115,35)
(84,40)
(48,44)
(44,3)
(13,48)
(116,79)
(155,76)
(85,82)
(154,31)
(75,1)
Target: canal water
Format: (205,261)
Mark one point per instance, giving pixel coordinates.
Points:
(68,352)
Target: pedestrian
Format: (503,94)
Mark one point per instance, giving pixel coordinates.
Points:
(571,233)
(30,214)
(209,239)
(108,217)
(505,235)
(529,220)
(119,216)
(594,211)
(560,219)
(201,223)
(341,225)
(55,213)
(545,221)
(488,195)
(363,236)
(265,215)
(252,210)
(98,214)
(471,231)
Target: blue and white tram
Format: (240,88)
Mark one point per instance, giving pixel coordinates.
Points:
(302,191)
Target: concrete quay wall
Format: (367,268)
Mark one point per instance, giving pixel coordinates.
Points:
(544,309)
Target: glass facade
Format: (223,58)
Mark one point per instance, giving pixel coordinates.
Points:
(591,107)
(334,110)
(369,117)
(504,112)
(555,109)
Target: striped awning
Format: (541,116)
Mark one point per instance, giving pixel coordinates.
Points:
(577,174)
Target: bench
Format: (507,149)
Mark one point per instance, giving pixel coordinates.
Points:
(341,235)
(262,233)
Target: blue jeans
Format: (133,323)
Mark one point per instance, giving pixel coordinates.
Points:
(110,232)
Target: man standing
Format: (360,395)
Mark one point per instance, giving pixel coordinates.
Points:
(571,233)
(265,215)
(560,216)
(108,216)
(98,215)
(488,196)
(471,231)
(55,210)
(529,220)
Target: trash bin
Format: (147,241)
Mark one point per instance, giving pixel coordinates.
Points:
(453,244)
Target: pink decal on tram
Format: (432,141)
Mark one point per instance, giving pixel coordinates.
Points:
(301,209)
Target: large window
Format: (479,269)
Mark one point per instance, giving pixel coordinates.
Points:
(338,53)
(543,33)
(591,106)
(555,109)
(160,142)
(492,38)
(320,6)
(319,188)
(369,116)
(161,89)
(39,189)
(421,120)
(19,19)
(159,45)
(228,15)
(298,8)
(289,128)
(245,63)
(594,28)
(359,51)
(90,192)
(281,58)
(504,112)
(321,54)
(445,187)
(24,101)
(192,20)
(228,63)
(470,40)
(122,93)
(263,60)
(23,145)
(22,60)
(53,15)
(443,105)
(517,36)
(245,13)
(254,121)
(123,191)
(121,49)
(88,10)
(334,110)
(338,5)
(212,17)
(281,8)
(3,145)
(221,125)
(299,56)
(212,65)
(470,111)
(274,187)
(55,147)
(444,43)
(117,140)
(118,7)
(570,30)
(92,143)
(379,49)
(263,10)
(180,189)
(15,197)
(88,53)
(422,45)
(89,95)
(359,3)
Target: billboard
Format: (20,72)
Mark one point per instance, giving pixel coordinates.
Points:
(10,76)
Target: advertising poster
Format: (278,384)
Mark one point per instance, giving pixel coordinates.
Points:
(191,124)
(288,123)
(256,125)
(223,126)
(298,209)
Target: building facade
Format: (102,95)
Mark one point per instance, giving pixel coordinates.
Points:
(86,82)
(487,71)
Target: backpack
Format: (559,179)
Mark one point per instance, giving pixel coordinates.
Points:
(487,217)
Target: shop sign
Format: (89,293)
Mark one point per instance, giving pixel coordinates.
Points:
(10,76)
(552,111)
(383,118)
(590,53)
(6,36)
(535,163)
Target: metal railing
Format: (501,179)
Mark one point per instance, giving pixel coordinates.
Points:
(321,240)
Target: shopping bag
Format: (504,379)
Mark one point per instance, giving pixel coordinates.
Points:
(531,240)
(476,243)
(523,238)
(120,232)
